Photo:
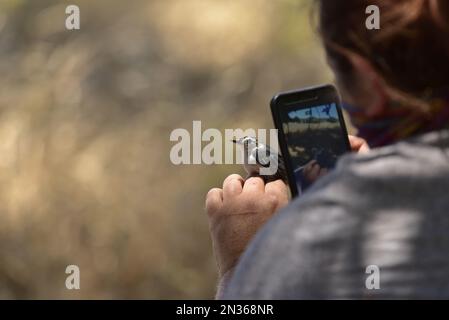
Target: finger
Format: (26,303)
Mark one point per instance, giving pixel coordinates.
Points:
(313,174)
(254,184)
(232,186)
(355,142)
(279,189)
(214,200)
(323,172)
(309,166)
(316,169)
(358,144)
(364,148)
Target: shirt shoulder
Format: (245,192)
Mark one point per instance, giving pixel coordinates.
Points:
(309,245)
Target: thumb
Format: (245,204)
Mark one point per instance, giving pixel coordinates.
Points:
(358,144)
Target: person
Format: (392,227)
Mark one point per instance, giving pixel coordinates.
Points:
(377,225)
(306,175)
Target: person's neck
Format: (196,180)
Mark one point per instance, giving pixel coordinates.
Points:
(400,122)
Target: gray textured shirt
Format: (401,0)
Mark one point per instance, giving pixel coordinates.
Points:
(388,208)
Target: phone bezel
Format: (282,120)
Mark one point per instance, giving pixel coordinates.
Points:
(321,95)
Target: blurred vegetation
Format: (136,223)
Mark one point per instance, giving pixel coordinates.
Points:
(85,119)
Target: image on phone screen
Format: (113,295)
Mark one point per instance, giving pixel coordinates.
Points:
(315,139)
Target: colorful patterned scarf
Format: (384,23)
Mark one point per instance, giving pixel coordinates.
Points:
(400,122)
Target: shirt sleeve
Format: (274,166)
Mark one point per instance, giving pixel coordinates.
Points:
(297,254)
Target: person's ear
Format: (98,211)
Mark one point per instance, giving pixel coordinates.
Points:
(370,86)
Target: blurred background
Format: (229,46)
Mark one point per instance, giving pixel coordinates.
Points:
(85,120)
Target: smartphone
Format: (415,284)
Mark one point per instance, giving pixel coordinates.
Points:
(311,131)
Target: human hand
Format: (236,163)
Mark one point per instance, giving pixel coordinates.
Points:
(237,212)
(241,208)
(313,171)
(358,145)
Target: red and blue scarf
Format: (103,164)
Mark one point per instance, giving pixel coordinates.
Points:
(399,122)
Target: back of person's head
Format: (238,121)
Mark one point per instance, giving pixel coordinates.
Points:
(404,61)
(411,48)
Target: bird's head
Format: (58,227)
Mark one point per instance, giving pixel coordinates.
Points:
(246,142)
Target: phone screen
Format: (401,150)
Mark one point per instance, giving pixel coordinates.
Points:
(314,136)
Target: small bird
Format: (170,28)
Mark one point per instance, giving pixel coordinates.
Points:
(257,155)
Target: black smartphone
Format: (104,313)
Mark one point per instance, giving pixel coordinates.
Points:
(312,133)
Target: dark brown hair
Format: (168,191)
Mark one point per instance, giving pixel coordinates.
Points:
(410,51)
